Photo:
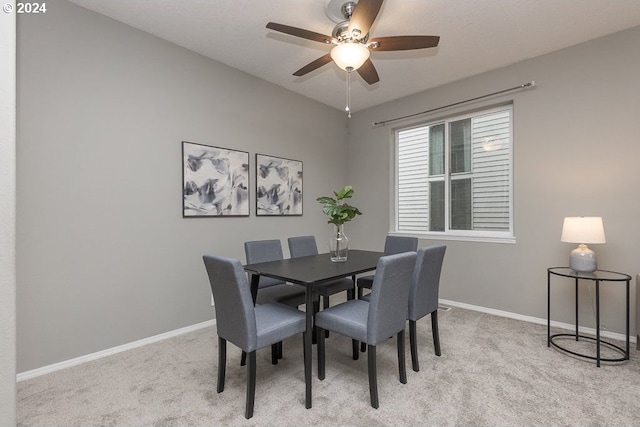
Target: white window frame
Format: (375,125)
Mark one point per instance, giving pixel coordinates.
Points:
(449,234)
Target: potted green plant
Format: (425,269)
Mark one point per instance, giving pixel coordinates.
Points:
(339,212)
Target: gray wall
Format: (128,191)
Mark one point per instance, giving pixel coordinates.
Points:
(7,219)
(104,256)
(576,153)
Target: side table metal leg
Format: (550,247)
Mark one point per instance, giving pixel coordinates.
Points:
(548,309)
(598,323)
(626,354)
(576,308)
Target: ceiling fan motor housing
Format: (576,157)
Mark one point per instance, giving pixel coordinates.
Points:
(341,33)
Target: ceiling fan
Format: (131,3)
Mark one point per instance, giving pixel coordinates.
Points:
(350,37)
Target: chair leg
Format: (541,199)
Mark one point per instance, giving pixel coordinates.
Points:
(280,350)
(402,368)
(413,343)
(243,358)
(436,334)
(350,294)
(274,354)
(354,349)
(373,376)
(251,385)
(222,363)
(320,354)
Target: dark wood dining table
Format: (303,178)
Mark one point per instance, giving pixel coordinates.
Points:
(310,271)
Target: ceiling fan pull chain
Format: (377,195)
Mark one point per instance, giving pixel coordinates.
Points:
(348,109)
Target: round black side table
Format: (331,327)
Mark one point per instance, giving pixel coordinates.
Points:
(597,277)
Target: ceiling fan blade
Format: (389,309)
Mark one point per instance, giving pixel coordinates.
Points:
(363,16)
(299,32)
(404,42)
(313,65)
(368,72)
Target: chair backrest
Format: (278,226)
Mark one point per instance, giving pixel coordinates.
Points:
(302,246)
(264,251)
(423,296)
(399,244)
(235,315)
(389,295)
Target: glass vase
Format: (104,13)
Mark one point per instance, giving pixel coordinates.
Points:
(338,244)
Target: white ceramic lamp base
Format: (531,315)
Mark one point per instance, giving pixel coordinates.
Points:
(583,259)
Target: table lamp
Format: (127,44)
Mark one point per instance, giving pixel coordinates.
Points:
(583,230)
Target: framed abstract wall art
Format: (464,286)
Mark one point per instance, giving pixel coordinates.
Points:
(215,181)
(278,186)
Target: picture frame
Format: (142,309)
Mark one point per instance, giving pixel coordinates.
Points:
(279,190)
(215,181)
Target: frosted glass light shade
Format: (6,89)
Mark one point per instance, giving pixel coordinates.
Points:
(583,230)
(350,55)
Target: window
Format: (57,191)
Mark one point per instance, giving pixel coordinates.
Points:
(453,176)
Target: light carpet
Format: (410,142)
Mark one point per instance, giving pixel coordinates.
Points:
(493,371)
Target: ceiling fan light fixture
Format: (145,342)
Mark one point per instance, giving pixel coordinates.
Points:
(350,55)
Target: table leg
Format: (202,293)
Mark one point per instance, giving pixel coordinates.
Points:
(598,323)
(255,280)
(307,345)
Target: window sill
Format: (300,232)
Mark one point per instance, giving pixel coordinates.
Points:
(452,237)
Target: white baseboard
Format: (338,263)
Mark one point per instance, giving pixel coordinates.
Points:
(531,319)
(110,351)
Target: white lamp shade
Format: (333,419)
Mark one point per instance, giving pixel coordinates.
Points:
(583,229)
(349,54)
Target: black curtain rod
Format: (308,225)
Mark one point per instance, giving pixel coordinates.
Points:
(522,86)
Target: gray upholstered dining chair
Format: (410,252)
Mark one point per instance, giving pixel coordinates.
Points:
(306,245)
(239,322)
(423,296)
(372,322)
(392,245)
(272,290)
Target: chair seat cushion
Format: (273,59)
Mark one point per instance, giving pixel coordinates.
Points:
(335,286)
(292,295)
(365,282)
(348,318)
(276,322)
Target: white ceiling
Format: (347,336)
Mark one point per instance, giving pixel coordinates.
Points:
(476,36)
